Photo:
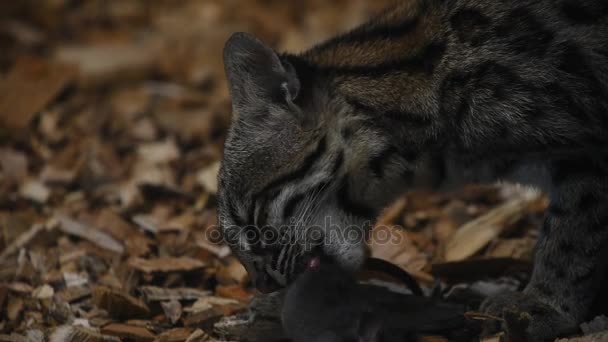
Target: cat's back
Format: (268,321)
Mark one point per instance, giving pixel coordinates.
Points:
(539,68)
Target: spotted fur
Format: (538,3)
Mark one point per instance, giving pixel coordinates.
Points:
(430,93)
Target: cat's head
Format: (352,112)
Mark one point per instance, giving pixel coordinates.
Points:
(286,189)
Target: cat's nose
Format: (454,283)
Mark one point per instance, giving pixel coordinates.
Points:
(265,283)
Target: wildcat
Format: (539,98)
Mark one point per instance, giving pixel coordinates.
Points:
(428,94)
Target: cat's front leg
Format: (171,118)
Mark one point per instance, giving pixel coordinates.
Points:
(571,255)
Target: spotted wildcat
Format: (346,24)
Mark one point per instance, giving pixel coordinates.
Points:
(431,94)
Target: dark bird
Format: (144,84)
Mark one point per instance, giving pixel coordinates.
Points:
(327,304)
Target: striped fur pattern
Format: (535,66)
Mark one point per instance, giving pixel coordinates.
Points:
(433,94)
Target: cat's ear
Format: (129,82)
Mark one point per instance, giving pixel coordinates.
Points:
(256,75)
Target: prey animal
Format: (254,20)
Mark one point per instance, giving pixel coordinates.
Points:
(428,94)
(326,304)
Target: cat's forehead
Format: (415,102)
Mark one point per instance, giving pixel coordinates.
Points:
(252,158)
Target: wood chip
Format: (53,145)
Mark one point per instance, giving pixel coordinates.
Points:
(28,88)
(158,294)
(74,293)
(22,241)
(200,336)
(166,264)
(35,190)
(75,279)
(147,222)
(159,152)
(35,335)
(475,235)
(87,232)
(13,338)
(202,241)
(208,310)
(43,292)
(119,304)
(20,287)
(14,308)
(233,292)
(391,214)
(497,338)
(54,175)
(232,273)
(174,335)
(522,248)
(101,63)
(129,332)
(208,177)
(73,333)
(13,164)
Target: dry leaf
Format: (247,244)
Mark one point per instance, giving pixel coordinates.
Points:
(130,332)
(473,236)
(35,190)
(208,177)
(158,294)
(79,334)
(43,292)
(28,88)
(166,264)
(119,304)
(89,233)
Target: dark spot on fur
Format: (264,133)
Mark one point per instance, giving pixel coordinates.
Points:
(262,215)
(299,173)
(564,100)
(584,276)
(557,210)
(560,273)
(563,170)
(565,308)
(432,56)
(582,168)
(378,163)
(546,229)
(504,131)
(409,154)
(567,247)
(524,33)
(367,33)
(545,288)
(408,176)
(579,12)
(351,206)
(338,162)
(455,90)
(501,81)
(470,26)
(588,201)
(291,205)
(575,63)
(346,132)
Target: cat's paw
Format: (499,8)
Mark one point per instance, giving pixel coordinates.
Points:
(527,315)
